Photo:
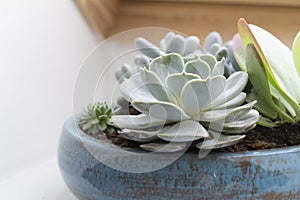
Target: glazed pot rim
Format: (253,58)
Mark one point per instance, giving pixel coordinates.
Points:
(72,128)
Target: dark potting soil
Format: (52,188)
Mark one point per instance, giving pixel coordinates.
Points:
(258,138)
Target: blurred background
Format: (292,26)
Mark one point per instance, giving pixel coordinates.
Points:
(43,43)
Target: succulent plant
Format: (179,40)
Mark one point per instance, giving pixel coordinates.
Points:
(171,43)
(183,101)
(96,118)
(213,44)
(274,72)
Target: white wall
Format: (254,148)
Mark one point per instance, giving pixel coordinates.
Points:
(42,44)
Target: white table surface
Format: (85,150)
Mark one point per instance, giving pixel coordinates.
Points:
(39,182)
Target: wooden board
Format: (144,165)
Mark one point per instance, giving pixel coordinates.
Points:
(241,2)
(200,18)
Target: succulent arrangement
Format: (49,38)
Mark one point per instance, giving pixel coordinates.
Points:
(189,95)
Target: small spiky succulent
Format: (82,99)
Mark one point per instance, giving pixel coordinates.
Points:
(96,118)
(185,100)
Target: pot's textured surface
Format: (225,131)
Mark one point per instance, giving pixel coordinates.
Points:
(269,174)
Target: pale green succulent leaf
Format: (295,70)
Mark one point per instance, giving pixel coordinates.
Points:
(198,93)
(266,122)
(161,110)
(135,88)
(282,103)
(235,84)
(163,147)
(235,102)
(176,45)
(209,59)
(296,52)
(219,68)
(138,122)
(260,83)
(212,38)
(227,115)
(147,48)
(147,135)
(173,63)
(191,44)
(155,86)
(194,95)
(239,51)
(243,122)
(184,131)
(219,141)
(198,67)
(221,53)
(262,106)
(168,37)
(214,48)
(175,82)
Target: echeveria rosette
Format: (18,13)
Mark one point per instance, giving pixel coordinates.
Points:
(179,100)
(273,71)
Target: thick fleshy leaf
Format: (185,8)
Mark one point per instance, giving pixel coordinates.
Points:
(212,38)
(262,105)
(147,48)
(239,52)
(236,101)
(198,93)
(296,52)
(175,82)
(194,95)
(277,61)
(184,131)
(176,44)
(164,148)
(198,67)
(282,103)
(139,122)
(266,122)
(155,86)
(235,84)
(219,140)
(191,44)
(165,40)
(165,65)
(221,53)
(209,59)
(172,61)
(259,80)
(229,114)
(125,72)
(141,61)
(135,89)
(161,110)
(214,48)
(219,68)
(241,124)
(147,135)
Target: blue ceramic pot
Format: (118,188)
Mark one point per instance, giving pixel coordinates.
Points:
(268,174)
